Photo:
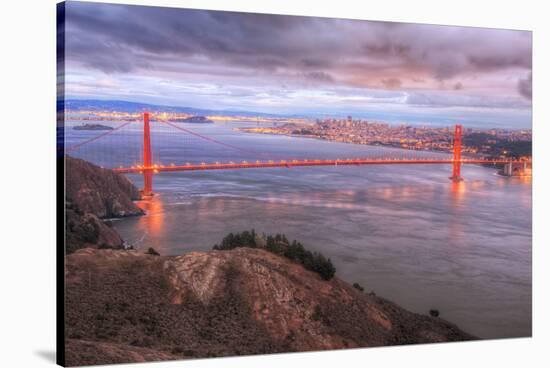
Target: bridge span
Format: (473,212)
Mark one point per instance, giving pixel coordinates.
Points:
(139,169)
(148,169)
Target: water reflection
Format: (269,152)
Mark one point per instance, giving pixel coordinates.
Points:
(458,189)
(152,224)
(525,179)
(456,229)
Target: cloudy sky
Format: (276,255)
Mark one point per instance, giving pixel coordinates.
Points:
(299,65)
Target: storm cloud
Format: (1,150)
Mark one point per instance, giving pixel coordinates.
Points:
(243,51)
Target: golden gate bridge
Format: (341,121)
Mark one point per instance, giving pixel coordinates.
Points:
(147,168)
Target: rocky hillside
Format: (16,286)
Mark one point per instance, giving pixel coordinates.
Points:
(93,194)
(124,306)
(101,192)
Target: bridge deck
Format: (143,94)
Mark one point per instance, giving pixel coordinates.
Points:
(295,163)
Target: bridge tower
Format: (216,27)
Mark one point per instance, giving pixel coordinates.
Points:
(457,153)
(147,159)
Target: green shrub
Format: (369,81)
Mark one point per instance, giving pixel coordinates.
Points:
(232,241)
(280,245)
(358,287)
(322,265)
(152,251)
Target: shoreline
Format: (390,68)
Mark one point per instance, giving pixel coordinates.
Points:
(353,143)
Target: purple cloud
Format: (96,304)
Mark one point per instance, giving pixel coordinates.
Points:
(525,87)
(243,55)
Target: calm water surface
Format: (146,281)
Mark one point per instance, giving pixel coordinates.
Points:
(405,232)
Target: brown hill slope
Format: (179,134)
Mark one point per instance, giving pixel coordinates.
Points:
(101,192)
(91,194)
(134,307)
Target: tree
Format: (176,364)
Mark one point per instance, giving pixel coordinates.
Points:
(280,245)
(153,252)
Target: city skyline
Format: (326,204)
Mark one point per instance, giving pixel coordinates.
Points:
(299,65)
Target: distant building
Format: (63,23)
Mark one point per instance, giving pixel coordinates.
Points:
(516,169)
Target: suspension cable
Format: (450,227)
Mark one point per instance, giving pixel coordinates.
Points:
(210,139)
(75,146)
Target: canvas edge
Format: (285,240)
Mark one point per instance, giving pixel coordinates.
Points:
(60,185)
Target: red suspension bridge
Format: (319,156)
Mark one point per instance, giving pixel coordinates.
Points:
(147,168)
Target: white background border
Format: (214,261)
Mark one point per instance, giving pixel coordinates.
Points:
(27,177)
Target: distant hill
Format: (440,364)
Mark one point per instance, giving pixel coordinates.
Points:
(133,107)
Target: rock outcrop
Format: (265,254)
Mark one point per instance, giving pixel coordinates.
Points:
(101,192)
(91,195)
(87,230)
(222,303)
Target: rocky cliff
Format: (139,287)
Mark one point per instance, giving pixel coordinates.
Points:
(125,306)
(91,195)
(101,192)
